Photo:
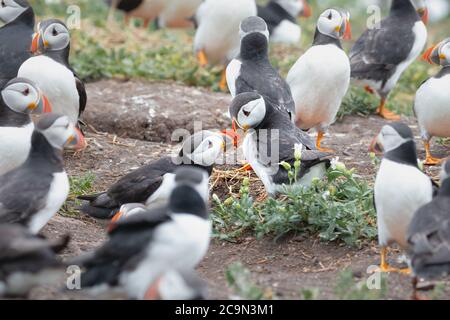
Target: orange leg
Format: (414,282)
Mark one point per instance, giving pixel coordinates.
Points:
(202,59)
(319,142)
(385,113)
(385,267)
(245,167)
(431,161)
(146,23)
(223,80)
(369,89)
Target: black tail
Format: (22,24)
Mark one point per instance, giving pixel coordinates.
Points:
(100,206)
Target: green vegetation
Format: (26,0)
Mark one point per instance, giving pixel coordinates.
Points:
(79,185)
(239,280)
(347,289)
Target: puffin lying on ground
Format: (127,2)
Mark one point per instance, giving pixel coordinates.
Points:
(382,54)
(272,139)
(281,18)
(33,193)
(178,13)
(217,38)
(15,37)
(147,10)
(18,99)
(432,104)
(144,247)
(429,235)
(151,184)
(320,78)
(252,71)
(401,188)
(27,260)
(52,72)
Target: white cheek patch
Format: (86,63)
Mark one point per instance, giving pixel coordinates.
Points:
(390,139)
(256,110)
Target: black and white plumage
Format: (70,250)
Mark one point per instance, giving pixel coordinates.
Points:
(432,103)
(147,10)
(429,234)
(281,18)
(400,187)
(15,37)
(143,247)
(272,138)
(151,184)
(32,193)
(52,72)
(252,71)
(178,13)
(18,99)
(320,78)
(27,261)
(382,54)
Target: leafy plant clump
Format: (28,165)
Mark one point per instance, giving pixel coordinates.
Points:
(79,185)
(239,281)
(337,208)
(348,289)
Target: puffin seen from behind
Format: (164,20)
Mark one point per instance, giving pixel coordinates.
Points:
(320,78)
(272,139)
(151,184)
(15,37)
(401,188)
(217,38)
(33,193)
(429,235)
(432,103)
(18,99)
(381,55)
(52,72)
(145,246)
(28,261)
(281,18)
(252,71)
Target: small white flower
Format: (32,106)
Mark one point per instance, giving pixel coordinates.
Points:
(298,148)
(337,165)
(326,195)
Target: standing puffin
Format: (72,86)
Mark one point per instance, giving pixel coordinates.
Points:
(271,139)
(52,72)
(145,246)
(281,18)
(18,99)
(252,71)
(320,78)
(432,104)
(382,54)
(151,184)
(178,13)
(217,37)
(401,188)
(147,10)
(32,193)
(15,37)
(429,235)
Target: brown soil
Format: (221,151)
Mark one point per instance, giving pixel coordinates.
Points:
(286,267)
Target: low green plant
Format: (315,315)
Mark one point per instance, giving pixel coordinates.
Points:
(239,280)
(79,185)
(347,288)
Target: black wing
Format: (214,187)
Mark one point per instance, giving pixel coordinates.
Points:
(82,94)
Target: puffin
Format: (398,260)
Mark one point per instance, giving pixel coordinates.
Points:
(401,188)
(18,98)
(432,102)
(320,78)
(52,72)
(272,139)
(381,55)
(147,10)
(33,193)
(28,261)
(178,13)
(252,71)
(151,184)
(15,37)
(145,246)
(217,40)
(429,235)
(281,18)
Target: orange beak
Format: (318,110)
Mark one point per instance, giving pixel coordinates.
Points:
(348,30)
(307,10)
(114,221)
(233,135)
(35,43)
(47,106)
(427,55)
(426,16)
(76,141)
(375,146)
(153,292)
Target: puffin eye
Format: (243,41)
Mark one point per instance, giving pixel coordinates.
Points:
(54,32)
(26,92)
(3,3)
(246,113)
(210,144)
(330,16)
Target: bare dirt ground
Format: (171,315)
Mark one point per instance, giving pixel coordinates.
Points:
(134,111)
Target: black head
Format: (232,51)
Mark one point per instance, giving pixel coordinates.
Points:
(254,38)
(52,36)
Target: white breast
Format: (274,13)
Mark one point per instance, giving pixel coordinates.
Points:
(319,80)
(233,72)
(218,31)
(177,245)
(56,81)
(59,190)
(15,144)
(286,32)
(432,107)
(400,190)
(162,194)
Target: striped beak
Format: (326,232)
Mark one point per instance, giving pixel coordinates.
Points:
(35,43)
(307,10)
(43,106)
(76,141)
(427,55)
(348,30)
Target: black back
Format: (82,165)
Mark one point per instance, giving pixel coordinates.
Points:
(273,14)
